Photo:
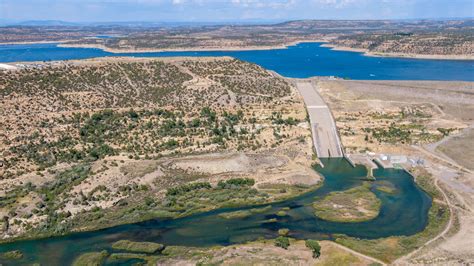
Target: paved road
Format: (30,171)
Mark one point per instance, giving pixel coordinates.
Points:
(325,138)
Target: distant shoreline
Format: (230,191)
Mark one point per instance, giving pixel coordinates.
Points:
(366,52)
(325,43)
(190,49)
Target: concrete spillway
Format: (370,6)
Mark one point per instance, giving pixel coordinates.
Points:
(323,128)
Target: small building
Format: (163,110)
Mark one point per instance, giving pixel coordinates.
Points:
(398,159)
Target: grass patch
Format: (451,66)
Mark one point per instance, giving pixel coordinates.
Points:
(143,247)
(236,215)
(352,205)
(244,213)
(385,187)
(335,256)
(12,255)
(286,191)
(425,181)
(283,232)
(91,259)
(138,258)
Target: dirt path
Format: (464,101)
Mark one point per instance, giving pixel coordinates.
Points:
(358,254)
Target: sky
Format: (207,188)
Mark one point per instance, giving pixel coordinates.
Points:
(229,10)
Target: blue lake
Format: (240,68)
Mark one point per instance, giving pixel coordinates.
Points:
(299,61)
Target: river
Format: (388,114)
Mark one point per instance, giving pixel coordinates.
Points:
(404,212)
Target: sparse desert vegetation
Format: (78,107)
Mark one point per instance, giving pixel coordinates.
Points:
(449,43)
(122,140)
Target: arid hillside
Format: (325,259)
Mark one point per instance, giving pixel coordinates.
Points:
(87,142)
(446,43)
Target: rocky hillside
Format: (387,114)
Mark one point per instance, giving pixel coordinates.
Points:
(423,44)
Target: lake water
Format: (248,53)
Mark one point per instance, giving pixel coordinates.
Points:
(404,212)
(299,61)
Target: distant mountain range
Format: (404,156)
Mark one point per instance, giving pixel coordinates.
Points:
(130,23)
(52,23)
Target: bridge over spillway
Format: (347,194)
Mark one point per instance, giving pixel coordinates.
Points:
(323,128)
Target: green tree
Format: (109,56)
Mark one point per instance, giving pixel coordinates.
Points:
(282,242)
(314,246)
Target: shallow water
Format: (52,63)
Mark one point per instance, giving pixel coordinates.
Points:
(402,213)
(299,61)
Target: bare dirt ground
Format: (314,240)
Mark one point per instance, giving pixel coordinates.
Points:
(266,253)
(358,105)
(455,148)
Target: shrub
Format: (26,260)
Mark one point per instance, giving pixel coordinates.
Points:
(182,189)
(236,182)
(283,232)
(282,242)
(314,246)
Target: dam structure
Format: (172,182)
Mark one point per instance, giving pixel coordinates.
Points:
(323,128)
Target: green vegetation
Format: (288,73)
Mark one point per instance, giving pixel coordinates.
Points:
(236,182)
(282,242)
(131,246)
(425,181)
(354,205)
(91,259)
(143,259)
(277,119)
(236,215)
(185,188)
(314,246)
(403,133)
(244,213)
(385,187)
(231,193)
(285,191)
(283,232)
(12,255)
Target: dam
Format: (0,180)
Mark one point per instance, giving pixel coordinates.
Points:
(323,128)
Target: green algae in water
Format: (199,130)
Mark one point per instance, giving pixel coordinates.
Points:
(402,213)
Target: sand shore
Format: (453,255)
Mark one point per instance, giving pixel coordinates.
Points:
(366,52)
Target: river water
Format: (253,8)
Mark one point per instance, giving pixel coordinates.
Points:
(404,212)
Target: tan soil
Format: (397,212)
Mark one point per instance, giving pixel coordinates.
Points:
(450,105)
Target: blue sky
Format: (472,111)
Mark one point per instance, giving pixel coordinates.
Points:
(229,10)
